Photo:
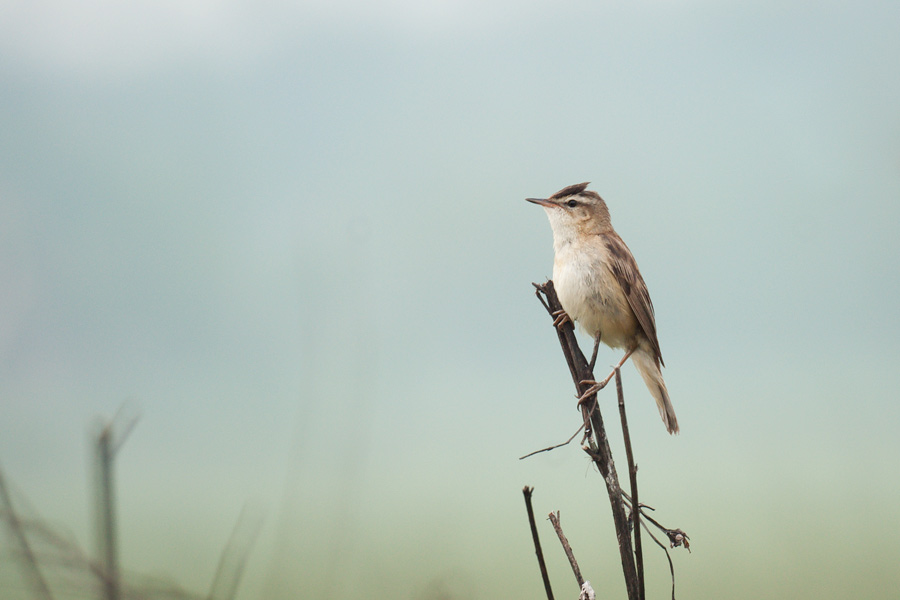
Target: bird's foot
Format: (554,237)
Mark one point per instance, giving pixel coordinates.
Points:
(596,386)
(560,318)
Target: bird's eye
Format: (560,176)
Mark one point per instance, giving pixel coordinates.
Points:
(571,203)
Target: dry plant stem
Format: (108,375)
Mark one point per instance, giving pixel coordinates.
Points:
(548,448)
(526,491)
(36,580)
(600,453)
(668,557)
(632,475)
(620,519)
(593,360)
(554,519)
(677,537)
(565,331)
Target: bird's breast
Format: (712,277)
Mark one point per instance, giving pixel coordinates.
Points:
(593,298)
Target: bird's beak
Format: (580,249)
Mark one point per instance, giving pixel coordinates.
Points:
(541,201)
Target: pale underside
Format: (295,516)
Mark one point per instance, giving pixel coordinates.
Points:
(592,297)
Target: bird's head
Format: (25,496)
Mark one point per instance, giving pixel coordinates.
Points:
(575,210)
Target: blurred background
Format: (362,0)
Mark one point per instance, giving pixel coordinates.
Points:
(290,239)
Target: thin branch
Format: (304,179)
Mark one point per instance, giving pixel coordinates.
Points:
(556,446)
(598,449)
(526,491)
(578,365)
(668,557)
(677,537)
(33,574)
(554,518)
(632,475)
(234,557)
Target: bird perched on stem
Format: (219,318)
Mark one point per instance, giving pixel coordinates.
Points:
(600,287)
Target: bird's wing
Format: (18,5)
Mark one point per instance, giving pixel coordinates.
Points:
(625,269)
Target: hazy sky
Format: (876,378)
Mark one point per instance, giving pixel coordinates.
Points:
(292,239)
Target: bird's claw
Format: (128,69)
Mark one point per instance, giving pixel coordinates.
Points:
(596,386)
(561,317)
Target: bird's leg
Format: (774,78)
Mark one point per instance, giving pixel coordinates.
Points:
(594,353)
(560,318)
(596,386)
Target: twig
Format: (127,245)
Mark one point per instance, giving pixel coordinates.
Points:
(554,518)
(30,564)
(578,365)
(526,491)
(234,556)
(599,449)
(668,557)
(632,475)
(554,447)
(677,537)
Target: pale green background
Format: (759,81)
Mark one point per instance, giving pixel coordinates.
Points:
(292,238)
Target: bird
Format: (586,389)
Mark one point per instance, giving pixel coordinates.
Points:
(601,288)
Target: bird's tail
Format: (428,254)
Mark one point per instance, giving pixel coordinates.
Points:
(648,366)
